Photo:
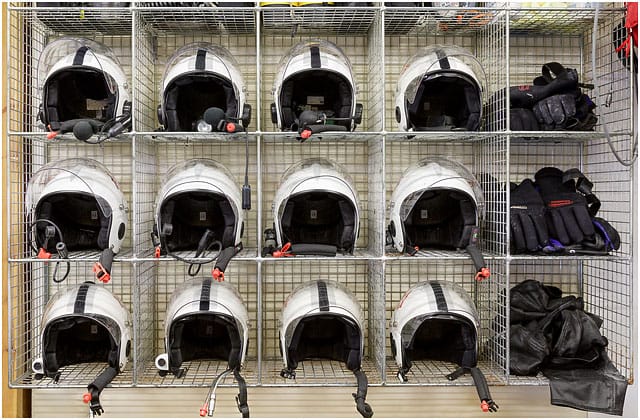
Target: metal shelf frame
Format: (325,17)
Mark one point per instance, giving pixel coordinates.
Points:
(378,40)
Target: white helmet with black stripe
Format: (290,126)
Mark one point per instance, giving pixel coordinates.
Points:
(84,89)
(199,77)
(315,76)
(438,321)
(323,319)
(440,88)
(84,324)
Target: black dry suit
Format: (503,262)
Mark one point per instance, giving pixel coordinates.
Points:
(554,335)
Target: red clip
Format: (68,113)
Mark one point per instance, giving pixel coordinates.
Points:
(483,273)
(44,255)
(217,274)
(86,397)
(51,134)
(230,127)
(283,252)
(484,406)
(305,134)
(156,253)
(203,410)
(101,273)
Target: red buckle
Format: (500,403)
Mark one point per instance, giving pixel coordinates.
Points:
(283,252)
(484,406)
(101,273)
(44,255)
(156,253)
(86,398)
(483,273)
(217,274)
(305,134)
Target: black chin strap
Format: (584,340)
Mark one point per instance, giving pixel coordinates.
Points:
(241,398)
(486,402)
(363,408)
(95,388)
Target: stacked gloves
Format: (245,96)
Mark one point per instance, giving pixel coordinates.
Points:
(553,102)
(556,214)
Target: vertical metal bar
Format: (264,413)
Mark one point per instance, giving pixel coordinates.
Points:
(259,302)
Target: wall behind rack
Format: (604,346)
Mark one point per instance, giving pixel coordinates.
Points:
(510,43)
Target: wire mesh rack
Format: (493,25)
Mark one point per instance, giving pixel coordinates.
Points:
(511,44)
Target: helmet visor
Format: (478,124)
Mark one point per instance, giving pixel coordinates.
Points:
(62,53)
(440,173)
(436,58)
(75,175)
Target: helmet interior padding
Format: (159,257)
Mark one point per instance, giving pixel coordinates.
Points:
(77,339)
(442,338)
(325,337)
(78,93)
(80,216)
(204,336)
(191,213)
(445,101)
(319,217)
(440,218)
(188,97)
(315,90)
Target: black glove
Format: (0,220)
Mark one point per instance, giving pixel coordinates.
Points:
(523,119)
(528,225)
(568,217)
(556,112)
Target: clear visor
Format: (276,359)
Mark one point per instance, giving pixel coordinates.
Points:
(315,167)
(66,49)
(189,53)
(440,173)
(204,164)
(428,60)
(285,67)
(71,175)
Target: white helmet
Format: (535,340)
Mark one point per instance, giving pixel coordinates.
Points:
(315,76)
(438,321)
(84,89)
(440,88)
(199,77)
(77,203)
(323,319)
(84,324)
(437,203)
(205,319)
(316,208)
(198,207)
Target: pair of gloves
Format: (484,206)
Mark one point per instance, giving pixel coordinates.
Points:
(553,102)
(557,214)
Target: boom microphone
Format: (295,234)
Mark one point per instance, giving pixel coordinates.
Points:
(213,116)
(83,130)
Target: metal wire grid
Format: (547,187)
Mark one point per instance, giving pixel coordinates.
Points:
(145,91)
(158,285)
(325,20)
(278,155)
(356,47)
(463,20)
(567,19)
(487,43)
(486,159)
(144,317)
(154,49)
(30,288)
(606,292)
(488,296)
(376,77)
(231,20)
(78,20)
(278,280)
(114,155)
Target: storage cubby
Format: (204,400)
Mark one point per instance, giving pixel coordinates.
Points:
(510,42)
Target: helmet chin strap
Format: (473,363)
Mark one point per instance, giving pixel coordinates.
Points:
(486,402)
(92,396)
